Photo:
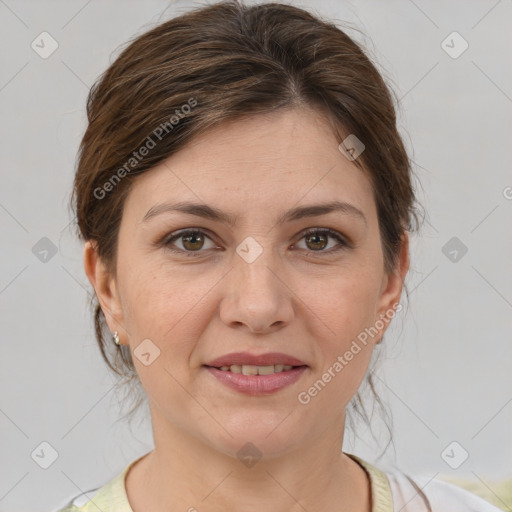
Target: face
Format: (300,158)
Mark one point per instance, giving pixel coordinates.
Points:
(306,286)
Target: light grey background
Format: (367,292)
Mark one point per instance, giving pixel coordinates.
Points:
(448,372)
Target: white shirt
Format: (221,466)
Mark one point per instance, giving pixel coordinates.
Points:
(394,491)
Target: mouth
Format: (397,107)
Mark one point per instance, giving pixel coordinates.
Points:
(250,369)
(256,374)
(257,380)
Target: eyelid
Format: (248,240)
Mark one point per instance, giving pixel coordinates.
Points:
(167,240)
(343,242)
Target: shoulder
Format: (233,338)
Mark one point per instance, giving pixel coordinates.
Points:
(111,496)
(78,503)
(421,492)
(100,499)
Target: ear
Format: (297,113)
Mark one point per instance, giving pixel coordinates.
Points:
(104,284)
(391,288)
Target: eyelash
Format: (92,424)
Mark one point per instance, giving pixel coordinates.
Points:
(324,231)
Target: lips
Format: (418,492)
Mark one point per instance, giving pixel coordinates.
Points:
(246,359)
(256,374)
(249,369)
(258,384)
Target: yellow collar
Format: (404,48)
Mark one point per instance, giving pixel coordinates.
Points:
(382,500)
(113,498)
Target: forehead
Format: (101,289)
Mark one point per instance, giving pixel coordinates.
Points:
(267,162)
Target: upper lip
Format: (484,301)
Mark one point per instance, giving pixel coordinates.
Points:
(245,358)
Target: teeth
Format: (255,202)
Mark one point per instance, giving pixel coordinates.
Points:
(249,369)
(265,370)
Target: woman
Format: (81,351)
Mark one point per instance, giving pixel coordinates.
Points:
(245,200)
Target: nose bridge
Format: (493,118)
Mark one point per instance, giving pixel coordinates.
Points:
(256,264)
(257,296)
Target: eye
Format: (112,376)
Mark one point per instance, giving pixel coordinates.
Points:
(193,240)
(317,240)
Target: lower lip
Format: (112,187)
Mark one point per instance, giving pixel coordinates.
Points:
(257,384)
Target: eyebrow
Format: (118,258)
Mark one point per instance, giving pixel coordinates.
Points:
(209,212)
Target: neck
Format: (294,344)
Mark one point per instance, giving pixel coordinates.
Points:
(187,473)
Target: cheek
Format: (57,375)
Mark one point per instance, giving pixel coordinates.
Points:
(164,306)
(346,307)
(345,302)
(161,300)
(163,303)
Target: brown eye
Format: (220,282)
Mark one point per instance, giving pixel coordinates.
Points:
(317,240)
(192,241)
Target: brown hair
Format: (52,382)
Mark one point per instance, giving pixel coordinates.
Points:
(224,62)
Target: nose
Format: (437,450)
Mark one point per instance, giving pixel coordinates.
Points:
(256,295)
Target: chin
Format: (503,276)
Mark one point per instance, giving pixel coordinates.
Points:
(256,435)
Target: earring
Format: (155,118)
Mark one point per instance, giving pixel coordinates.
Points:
(115,337)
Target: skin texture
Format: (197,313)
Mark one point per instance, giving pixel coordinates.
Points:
(295,298)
